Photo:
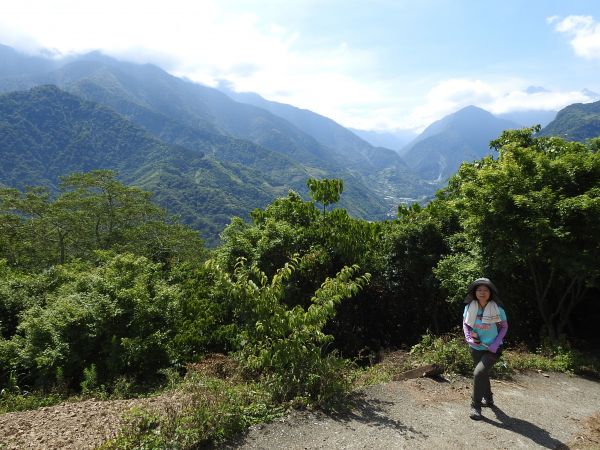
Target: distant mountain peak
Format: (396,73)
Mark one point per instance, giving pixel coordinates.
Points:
(471,108)
(461,136)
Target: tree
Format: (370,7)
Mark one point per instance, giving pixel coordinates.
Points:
(94,211)
(325,191)
(536,209)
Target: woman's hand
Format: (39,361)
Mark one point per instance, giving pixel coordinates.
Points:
(475,337)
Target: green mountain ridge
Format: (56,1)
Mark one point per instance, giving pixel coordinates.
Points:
(577,122)
(183,113)
(385,171)
(46,133)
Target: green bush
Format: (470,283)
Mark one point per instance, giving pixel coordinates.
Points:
(13,402)
(555,358)
(118,317)
(286,345)
(449,351)
(213,411)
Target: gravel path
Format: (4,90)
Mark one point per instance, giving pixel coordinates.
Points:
(71,425)
(533,411)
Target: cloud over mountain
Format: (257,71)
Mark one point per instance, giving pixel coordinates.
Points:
(497,97)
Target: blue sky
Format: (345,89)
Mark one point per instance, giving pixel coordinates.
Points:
(377,64)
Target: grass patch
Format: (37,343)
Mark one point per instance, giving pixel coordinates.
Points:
(375,374)
(209,412)
(554,358)
(216,401)
(451,352)
(14,402)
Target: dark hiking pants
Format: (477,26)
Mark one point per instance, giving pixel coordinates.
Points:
(483,361)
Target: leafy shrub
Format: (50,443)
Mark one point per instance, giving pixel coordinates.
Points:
(117,318)
(286,345)
(556,358)
(213,411)
(449,351)
(13,402)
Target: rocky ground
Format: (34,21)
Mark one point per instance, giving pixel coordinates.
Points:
(552,411)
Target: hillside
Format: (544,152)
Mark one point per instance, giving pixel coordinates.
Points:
(576,122)
(382,168)
(195,116)
(46,133)
(438,152)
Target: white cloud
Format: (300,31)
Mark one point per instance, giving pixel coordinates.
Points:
(584,34)
(202,41)
(207,41)
(496,97)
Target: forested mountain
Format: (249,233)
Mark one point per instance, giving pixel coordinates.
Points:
(385,170)
(46,133)
(201,118)
(576,122)
(438,152)
(326,131)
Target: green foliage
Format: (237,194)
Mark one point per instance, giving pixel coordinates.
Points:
(14,402)
(577,122)
(555,357)
(93,212)
(532,219)
(410,250)
(286,345)
(449,351)
(205,320)
(89,384)
(101,323)
(214,411)
(457,270)
(13,398)
(325,191)
(452,353)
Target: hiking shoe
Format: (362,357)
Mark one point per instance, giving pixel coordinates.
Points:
(475,413)
(487,403)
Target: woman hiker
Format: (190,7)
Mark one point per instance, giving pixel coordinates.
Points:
(484,325)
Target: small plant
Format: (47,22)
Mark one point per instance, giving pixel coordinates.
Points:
(13,402)
(286,346)
(449,351)
(213,411)
(89,385)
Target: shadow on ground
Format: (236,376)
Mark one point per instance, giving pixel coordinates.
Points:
(359,409)
(527,429)
(373,412)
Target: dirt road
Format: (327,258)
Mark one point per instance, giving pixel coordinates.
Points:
(534,411)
